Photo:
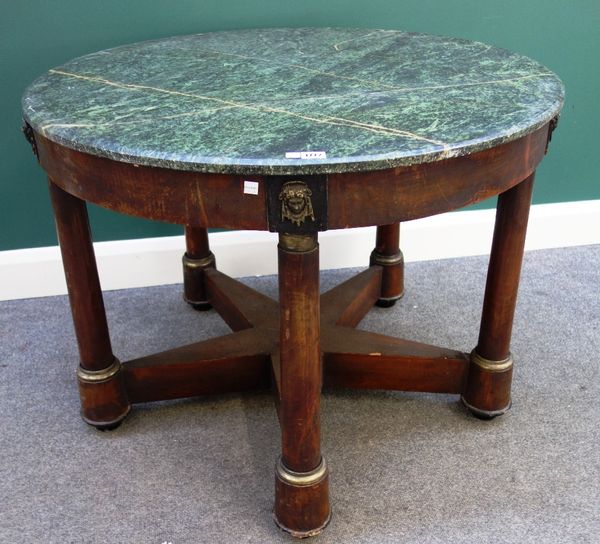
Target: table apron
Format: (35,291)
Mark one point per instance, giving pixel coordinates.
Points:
(354,199)
(405,193)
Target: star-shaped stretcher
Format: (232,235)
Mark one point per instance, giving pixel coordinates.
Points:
(248,358)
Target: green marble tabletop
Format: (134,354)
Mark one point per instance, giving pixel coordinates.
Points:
(292,100)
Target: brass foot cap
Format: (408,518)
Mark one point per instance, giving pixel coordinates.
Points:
(302,534)
(388,302)
(108,425)
(198,305)
(485,415)
(302,500)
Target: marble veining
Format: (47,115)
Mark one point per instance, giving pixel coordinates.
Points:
(238,101)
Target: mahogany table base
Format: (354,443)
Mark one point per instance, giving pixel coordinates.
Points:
(297,345)
(250,358)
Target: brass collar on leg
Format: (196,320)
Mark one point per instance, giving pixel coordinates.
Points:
(297,243)
(301,479)
(204,262)
(98,376)
(386,260)
(489,365)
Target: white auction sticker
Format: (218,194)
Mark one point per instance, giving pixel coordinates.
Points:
(250,187)
(306,155)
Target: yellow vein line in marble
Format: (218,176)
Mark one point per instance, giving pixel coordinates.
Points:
(329,120)
(136,121)
(135,86)
(380,129)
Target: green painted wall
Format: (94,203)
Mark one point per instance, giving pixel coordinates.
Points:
(38,34)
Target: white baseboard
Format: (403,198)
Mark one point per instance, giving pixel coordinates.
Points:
(37,272)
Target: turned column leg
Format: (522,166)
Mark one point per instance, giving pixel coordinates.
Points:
(487,393)
(197,258)
(103,398)
(388,255)
(301,483)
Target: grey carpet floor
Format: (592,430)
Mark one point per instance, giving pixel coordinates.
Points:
(404,467)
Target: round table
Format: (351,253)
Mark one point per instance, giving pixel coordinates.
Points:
(295,131)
